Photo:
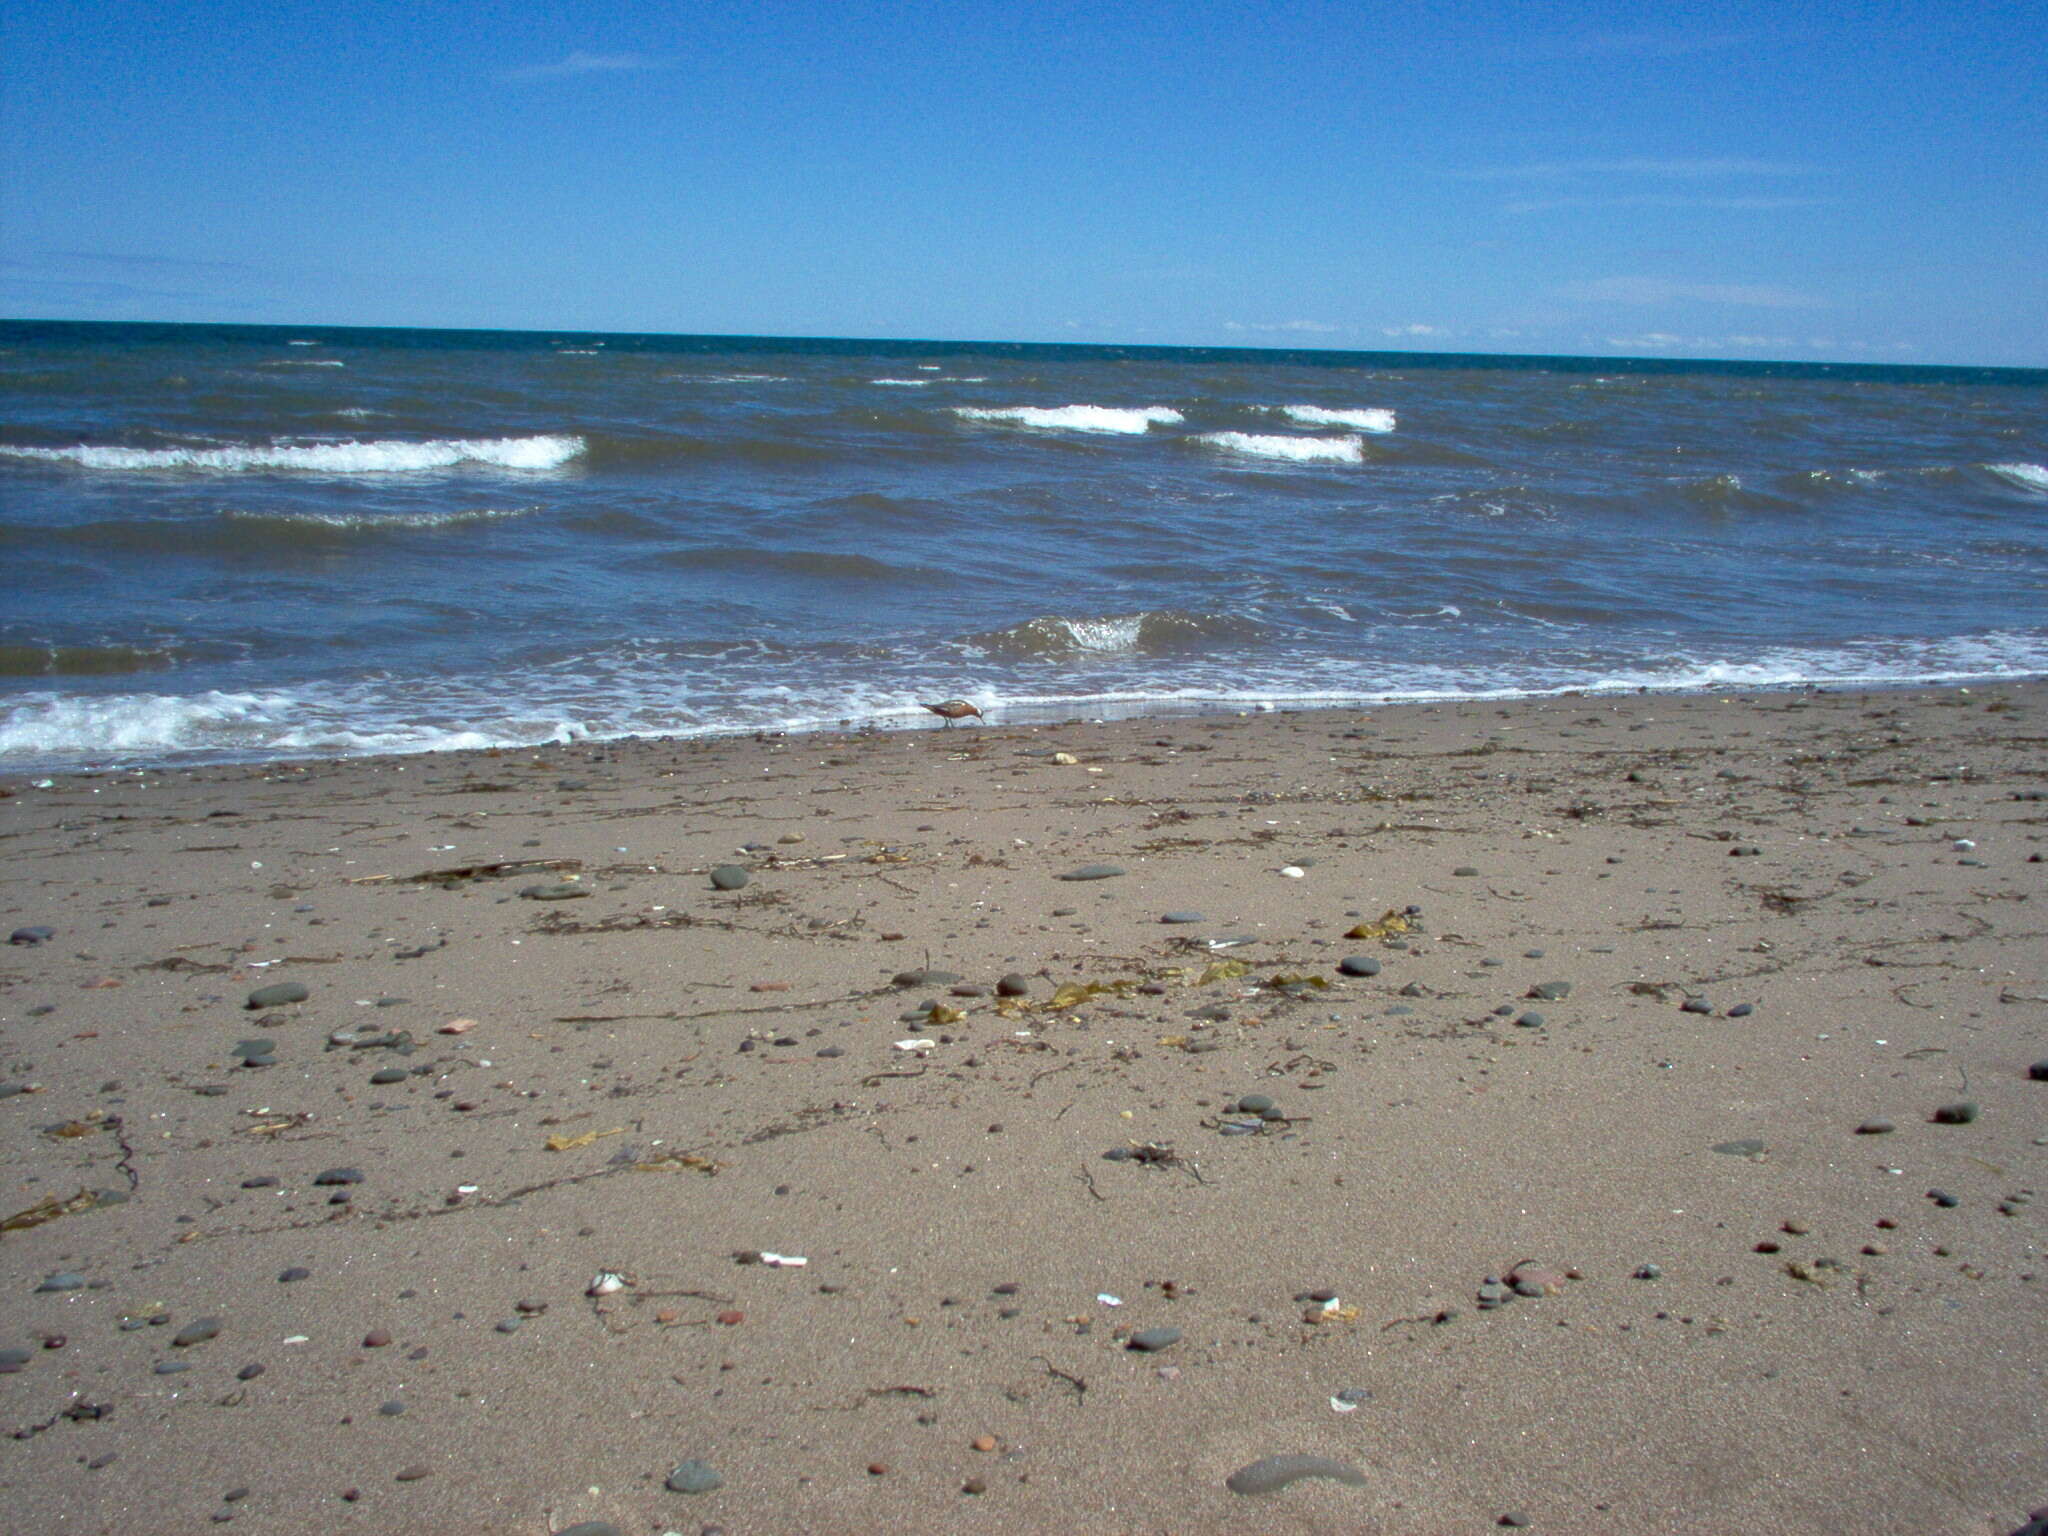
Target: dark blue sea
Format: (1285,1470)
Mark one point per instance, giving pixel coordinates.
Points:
(241,542)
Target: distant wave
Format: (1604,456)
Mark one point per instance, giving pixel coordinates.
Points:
(1305,450)
(1153,632)
(824,564)
(374,521)
(347,458)
(905,383)
(304,362)
(238,531)
(2031,477)
(1076,418)
(82,660)
(1363,419)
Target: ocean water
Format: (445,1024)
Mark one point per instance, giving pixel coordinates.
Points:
(239,542)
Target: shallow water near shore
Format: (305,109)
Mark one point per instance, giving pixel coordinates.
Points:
(242,543)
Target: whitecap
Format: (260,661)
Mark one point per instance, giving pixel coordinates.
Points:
(347,458)
(1361,419)
(1304,450)
(2030,477)
(1075,418)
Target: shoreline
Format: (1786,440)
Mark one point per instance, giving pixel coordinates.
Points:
(1638,978)
(1037,714)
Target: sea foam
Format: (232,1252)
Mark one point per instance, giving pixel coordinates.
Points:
(1076,418)
(1304,450)
(1363,419)
(345,458)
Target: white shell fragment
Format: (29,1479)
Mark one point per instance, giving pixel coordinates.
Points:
(915,1045)
(784,1260)
(606,1283)
(1293,871)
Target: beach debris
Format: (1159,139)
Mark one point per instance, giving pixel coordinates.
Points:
(35,933)
(564,890)
(49,1208)
(1293,872)
(456,1027)
(607,1282)
(771,1260)
(1387,924)
(560,1143)
(1107,1300)
(919,1044)
(1092,872)
(277,994)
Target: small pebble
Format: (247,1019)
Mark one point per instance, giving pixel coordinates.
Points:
(1151,1340)
(1359,965)
(197,1332)
(1962,1112)
(693,1477)
(729,877)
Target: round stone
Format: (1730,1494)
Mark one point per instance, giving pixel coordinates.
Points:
(1359,965)
(63,1280)
(1255,1104)
(339,1176)
(565,890)
(1531,1020)
(2039,1072)
(197,1331)
(1962,1112)
(1093,872)
(693,1477)
(385,1076)
(277,994)
(1017,985)
(1180,917)
(34,934)
(1151,1339)
(729,877)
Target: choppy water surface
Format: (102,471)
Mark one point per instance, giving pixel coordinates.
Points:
(234,543)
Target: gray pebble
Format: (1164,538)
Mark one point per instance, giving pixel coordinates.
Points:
(1494,1294)
(1271,1473)
(1465,871)
(385,1076)
(1150,1339)
(12,1360)
(392,1409)
(729,877)
(1531,1020)
(1093,872)
(1359,965)
(1013,985)
(1255,1104)
(1551,991)
(509,1325)
(171,1367)
(198,1331)
(1962,1112)
(2039,1072)
(693,1477)
(590,1528)
(63,1280)
(339,1176)
(564,890)
(1696,1005)
(34,934)
(1648,1272)
(1742,1010)
(1944,1199)
(277,994)
(1354,1395)
(1748,1147)
(250,1371)
(1181,917)
(296,1272)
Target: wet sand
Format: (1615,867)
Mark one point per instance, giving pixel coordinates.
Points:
(1642,977)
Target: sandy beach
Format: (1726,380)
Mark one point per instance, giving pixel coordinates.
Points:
(1640,1132)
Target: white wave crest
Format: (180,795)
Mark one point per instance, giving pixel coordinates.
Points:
(1076,418)
(1109,634)
(82,727)
(1304,450)
(904,383)
(2031,477)
(380,519)
(1363,419)
(311,362)
(345,458)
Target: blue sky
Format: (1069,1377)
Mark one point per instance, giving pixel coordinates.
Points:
(1863,182)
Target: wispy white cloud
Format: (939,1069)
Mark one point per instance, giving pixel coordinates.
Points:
(1312,327)
(1413,328)
(581,63)
(1720,346)
(1695,168)
(1658,200)
(1645,291)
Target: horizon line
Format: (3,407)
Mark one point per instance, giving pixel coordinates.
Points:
(1582,361)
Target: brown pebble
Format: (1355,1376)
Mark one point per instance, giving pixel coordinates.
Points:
(769,986)
(667,1315)
(376,1338)
(1886,1223)
(878,1469)
(984,1442)
(1796,1228)
(732,1319)
(1875,1250)
(414,1473)
(974,1485)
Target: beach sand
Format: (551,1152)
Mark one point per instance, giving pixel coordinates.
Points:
(1766,921)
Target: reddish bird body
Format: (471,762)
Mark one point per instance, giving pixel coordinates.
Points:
(955,709)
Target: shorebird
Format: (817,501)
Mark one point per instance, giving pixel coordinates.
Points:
(955,709)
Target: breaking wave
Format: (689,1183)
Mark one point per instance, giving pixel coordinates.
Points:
(1301,450)
(1076,418)
(1159,632)
(344,458)
(2031,477)
(1365,419)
